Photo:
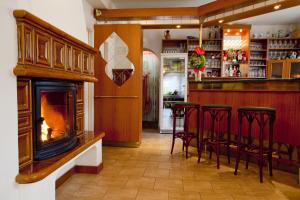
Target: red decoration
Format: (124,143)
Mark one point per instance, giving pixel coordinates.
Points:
(199,51)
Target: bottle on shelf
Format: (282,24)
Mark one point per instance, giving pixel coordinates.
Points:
(230,71)
(234,72)
(238,73)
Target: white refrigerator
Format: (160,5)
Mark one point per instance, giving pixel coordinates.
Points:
(173,87)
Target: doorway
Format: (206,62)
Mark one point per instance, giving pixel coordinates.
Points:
(150,89)
(172,58)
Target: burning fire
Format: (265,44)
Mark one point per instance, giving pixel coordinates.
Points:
(44,130)
(53,124)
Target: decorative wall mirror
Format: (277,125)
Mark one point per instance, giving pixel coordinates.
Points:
(118,67)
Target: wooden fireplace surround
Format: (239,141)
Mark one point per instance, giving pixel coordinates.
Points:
(45,51)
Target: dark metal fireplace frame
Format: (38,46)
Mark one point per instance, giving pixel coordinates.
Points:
(43,151)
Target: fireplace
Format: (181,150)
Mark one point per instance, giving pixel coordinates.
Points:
(54,117)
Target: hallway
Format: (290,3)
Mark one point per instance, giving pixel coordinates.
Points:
(151,173)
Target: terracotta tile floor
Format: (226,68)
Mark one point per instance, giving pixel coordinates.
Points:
(151,173)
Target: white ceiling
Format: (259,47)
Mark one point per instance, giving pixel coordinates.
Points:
(280,17)
(146,3)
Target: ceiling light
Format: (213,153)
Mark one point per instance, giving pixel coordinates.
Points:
(276,7)
(237,34)
(178,26)
(221,21)
(241,30)
(228,30)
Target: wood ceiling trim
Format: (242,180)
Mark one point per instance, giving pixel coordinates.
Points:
(254,12)
(169,26)
(251,13)
(160,12)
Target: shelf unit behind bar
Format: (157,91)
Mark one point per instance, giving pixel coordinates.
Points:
(261,51)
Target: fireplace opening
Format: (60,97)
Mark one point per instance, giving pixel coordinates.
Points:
(54,112)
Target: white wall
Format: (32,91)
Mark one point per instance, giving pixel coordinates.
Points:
(67,15)
(89,87)
(258,29)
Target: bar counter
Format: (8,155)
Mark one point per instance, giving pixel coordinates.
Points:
(281,94)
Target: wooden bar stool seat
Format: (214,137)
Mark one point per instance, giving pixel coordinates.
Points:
(184,110)
(262,116)
(215,137)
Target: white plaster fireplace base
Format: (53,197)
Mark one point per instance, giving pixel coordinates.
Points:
(45,188)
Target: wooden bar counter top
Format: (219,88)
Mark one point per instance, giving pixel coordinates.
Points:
(281,94)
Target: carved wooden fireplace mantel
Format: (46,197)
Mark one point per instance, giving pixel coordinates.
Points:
(46,53)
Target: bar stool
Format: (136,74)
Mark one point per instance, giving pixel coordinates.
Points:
(215,138)
(184,110)
(262,115)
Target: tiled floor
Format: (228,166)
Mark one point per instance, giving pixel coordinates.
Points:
(151,173)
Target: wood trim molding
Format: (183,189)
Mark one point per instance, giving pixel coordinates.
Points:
(45,51)
(254,12)
(157,12)
(122,144)
(78,169)
(24,177)
(64,178)
(169,26)
(88,169)
(31,71)
(117,97)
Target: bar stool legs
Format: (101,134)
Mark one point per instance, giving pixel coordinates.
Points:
(185,109)
(215,138)
(262,116)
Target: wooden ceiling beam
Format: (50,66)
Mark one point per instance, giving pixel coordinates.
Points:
(161,12)
(219,5)
(254,12)
(239,16)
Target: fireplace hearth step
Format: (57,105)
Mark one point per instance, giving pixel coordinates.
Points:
(38,170)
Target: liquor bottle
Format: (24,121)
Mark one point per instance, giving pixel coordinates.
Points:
(238,73)
(240,55)
(226,73)
(234,71)
(230,71)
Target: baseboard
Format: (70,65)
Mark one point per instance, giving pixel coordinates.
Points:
(77,170)
(88,169)
(64,177)
(121,144)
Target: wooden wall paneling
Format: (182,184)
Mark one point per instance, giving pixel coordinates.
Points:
(25,148)
(69,57)
(118,110)
(80,109)
(20,39)
(77,58)
(85,62)
(24,121)
(28,42)
(42,48)
(59,54)
(45,51)
(24,95)
(92,63)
